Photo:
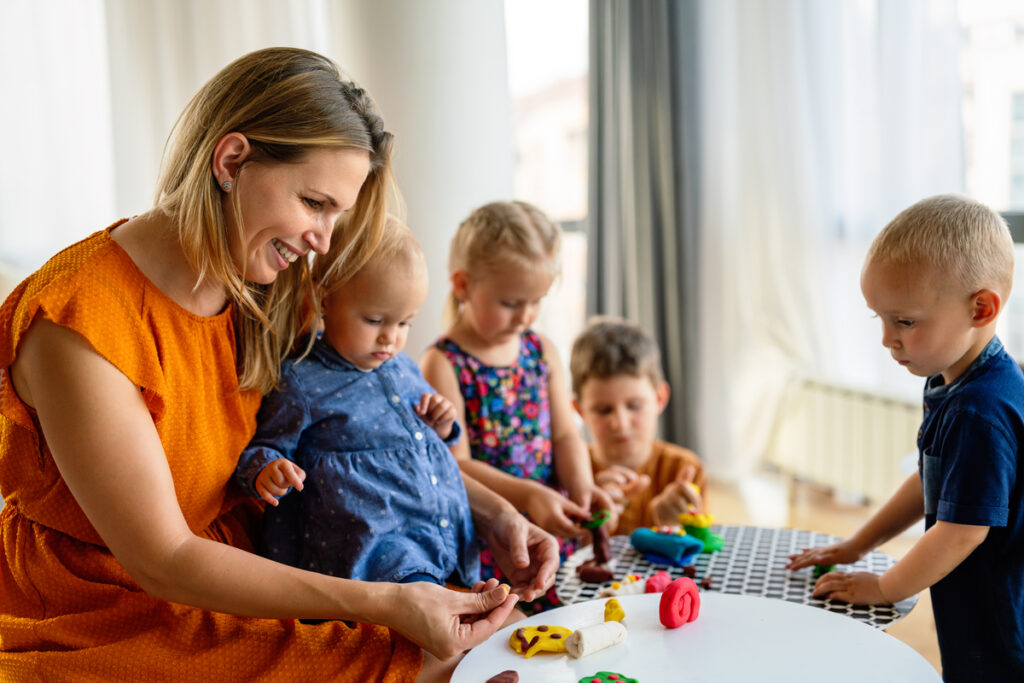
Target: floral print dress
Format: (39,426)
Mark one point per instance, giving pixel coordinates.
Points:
(508,423)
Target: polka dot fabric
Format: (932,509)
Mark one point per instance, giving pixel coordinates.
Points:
(67,607)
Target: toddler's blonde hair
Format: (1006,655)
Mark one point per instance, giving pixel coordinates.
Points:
(954,235)
(331,271)
(513,233)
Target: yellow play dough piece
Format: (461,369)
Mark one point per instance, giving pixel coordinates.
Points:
(701,521)
(529,640)
(613,611)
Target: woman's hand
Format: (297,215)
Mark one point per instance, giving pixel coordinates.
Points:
(277,477)
(844,552)
(445,622)
(527,555)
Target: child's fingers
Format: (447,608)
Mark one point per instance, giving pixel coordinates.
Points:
(687,474)
(639,483)
(267,496)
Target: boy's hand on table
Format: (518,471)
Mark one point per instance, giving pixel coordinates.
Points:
(277,477)
(438,412)
(445,622)
(856,588)
(843,552)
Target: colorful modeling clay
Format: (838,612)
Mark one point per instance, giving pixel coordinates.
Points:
(590,572)
(613,611)
(596,519)
(675,548)
(607,677)
(680,603)
(589,639)
(529,640)
(657,582)
(821,569)
(632,584)
(698,526)
(509,676)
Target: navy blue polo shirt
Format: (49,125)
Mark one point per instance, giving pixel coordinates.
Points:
(969,459)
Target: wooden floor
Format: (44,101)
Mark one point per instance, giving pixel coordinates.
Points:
(771,499)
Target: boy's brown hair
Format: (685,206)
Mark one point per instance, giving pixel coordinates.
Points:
(612,346)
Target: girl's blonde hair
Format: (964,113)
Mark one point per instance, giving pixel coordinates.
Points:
(331,271)
(286,102)
(957,236)
(510,234)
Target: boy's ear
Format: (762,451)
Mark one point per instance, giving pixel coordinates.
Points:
(663,393)
(985,307)
(460,284)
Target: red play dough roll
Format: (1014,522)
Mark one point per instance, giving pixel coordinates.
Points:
(680,603)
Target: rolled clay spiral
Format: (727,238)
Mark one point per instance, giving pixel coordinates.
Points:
(680,603)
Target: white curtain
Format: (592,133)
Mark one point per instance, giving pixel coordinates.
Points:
(820,121)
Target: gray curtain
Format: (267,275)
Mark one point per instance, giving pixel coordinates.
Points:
(642,220)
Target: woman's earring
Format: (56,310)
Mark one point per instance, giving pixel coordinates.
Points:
(226,185)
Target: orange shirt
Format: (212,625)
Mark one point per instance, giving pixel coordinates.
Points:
(68,609)
(663,466)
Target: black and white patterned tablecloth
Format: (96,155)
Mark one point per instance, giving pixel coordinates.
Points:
(752,562)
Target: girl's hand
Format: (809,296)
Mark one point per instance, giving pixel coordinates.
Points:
(527,555)
(438,412)
(844,552)
(555,513)
(856,588)
(602,500)
(678,497)
(277,477)
(446,623)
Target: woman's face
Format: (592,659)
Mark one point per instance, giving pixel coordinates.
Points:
(290,208)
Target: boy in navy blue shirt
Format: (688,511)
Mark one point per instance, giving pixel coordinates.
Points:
(938,276)
(355,428)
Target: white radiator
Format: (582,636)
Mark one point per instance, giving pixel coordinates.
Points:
(845,439)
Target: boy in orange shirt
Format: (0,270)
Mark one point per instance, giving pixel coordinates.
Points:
(619,391)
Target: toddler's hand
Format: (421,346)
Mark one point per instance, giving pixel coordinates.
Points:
(276,477)
(843,552)
(856,588)
(438,412)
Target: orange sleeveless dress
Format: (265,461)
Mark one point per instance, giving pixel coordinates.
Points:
(68,609)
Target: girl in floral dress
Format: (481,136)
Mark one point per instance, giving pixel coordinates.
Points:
(506,381)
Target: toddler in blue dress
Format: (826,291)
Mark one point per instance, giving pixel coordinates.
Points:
(360,435)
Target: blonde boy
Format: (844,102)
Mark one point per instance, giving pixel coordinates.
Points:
(938,276)
(620,392)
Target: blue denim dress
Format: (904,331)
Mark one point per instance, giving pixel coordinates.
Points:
(383,498)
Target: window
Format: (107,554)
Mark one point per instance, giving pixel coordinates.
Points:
(993,109)
(547,66)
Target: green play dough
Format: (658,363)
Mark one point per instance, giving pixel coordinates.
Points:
(606,677)
(822,569)
(712,542)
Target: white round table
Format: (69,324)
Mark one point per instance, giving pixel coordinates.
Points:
(735,638)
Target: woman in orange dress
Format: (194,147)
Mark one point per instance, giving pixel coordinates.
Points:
(134,362)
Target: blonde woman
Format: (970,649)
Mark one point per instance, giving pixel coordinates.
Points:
(134,365)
